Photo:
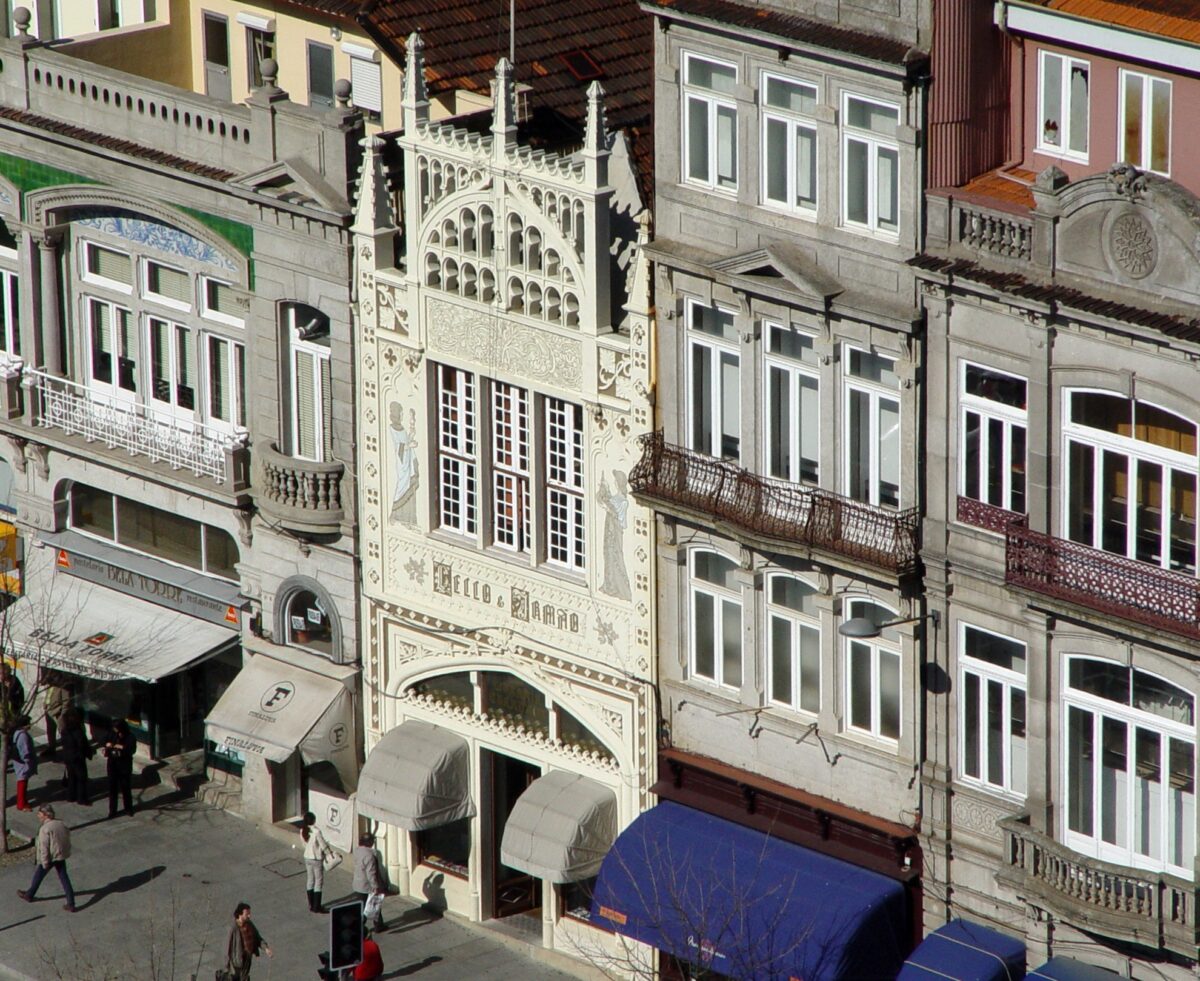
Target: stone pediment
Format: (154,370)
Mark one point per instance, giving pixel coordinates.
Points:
(294,181)
(782,266)
(1126,230)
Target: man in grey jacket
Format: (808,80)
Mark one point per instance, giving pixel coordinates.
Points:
(368,880)
(53,850)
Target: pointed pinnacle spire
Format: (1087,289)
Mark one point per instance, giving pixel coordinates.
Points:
(373,209)
(416,99)
(595,138)
(504,121)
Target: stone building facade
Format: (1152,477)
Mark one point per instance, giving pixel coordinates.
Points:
(507,572)
(177,391)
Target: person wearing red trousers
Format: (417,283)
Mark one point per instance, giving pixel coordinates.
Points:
(24,761)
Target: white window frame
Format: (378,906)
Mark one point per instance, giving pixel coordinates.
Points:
(111,390)
(797,622)
(715,102)
(170,408)
(319,355)
(159,298)
(715,394)
(879,647)
(988,673)
(1132,449)
(10,308)
(458,444)
(512,420)
(1147,135)
(875,393)
(875,143)
(719,596)
(566,533)
(217,316)
(1101,708)
(1009,418)
(1063,148)
(116,285)
(794,370)
(237,394)
(794,121)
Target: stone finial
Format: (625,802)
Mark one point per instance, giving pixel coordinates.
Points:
(269,69)
(373,209)
(504,118)
(1051,179)
(22,18)
(595,137)
(341,92)
(414,71)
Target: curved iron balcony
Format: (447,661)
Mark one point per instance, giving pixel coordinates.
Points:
(781,513)
(305,496)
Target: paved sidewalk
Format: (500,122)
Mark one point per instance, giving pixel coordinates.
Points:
(180,862)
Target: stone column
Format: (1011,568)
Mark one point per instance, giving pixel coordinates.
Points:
(51,313)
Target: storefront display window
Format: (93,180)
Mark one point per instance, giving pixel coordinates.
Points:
(447,848)
(308,623)
(577,899)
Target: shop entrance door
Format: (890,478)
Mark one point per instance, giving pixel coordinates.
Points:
(513,891)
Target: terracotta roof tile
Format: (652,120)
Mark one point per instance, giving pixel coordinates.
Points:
(112,143)
(1179,19)
(781,23)
(1008,189)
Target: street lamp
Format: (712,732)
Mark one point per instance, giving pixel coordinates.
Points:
(864,628)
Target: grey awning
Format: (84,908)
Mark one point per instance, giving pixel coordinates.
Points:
(561,828)
(417,776)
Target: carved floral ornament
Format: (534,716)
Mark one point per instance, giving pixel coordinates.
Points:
(1132,245)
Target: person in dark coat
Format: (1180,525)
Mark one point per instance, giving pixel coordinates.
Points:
(11,689)
(119,746)
(76,751)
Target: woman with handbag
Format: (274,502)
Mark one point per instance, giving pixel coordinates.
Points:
(318,856)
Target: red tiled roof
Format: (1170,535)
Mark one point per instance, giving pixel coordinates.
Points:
(465,38)
(1009,190)
(781,23)
(112,143)
(1179,19)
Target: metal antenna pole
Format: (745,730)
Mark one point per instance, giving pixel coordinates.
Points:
(512,32)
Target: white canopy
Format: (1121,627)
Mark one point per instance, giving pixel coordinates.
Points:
(69,624)
(288,701)
(561,828)
(417,776)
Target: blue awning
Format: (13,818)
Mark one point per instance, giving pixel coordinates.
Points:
(962,951)
(747,905)
(1069,969)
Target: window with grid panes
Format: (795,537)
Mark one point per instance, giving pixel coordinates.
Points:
(871,165)
(710,151)
(1146,121)
(111,347)
(564,480)
(510,467)
(1063,101)
(789,143)
(226,382)
(793,430)
(873,675)
(794,639)
(715,600)
(10,313)
(992,458)
(458,506)
(992,710)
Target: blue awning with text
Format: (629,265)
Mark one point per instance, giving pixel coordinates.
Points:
(963,951)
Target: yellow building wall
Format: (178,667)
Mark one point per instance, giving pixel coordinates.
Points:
(291,36)
(160,50)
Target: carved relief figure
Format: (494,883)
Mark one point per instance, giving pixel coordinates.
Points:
(616,517)
(404,445)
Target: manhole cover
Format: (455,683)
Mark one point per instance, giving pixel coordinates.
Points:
(286,868)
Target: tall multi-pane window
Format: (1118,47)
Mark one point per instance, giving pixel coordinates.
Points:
(789,143)
(1131,479)
(172,368)
(457,492)
(111,348)
(1146,121)
(872,428)
(715,600)
(871,165)
(1063,105)
(10,314)
(992,456)
(873,675)
(510,467)
(710,152)
(320,74)
(564,483)
(1130,767)
(793,430)
(794,642)
(992,710)
(714,383)
(226,383)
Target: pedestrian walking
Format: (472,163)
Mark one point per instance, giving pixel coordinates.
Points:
(77,749)
(368,881)
(370,968)
(24,761)
(53,850)
(316,852)
(245,943)
(11,689)
(55,701)
(119,746)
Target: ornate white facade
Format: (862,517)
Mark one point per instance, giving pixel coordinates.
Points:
(503,380)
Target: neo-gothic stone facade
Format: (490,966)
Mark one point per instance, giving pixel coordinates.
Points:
(507,572)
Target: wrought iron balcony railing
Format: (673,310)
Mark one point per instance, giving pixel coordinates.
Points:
(1101,581)
(58,403)
(985,516)
(784,512)
(1134,905)
(305,495)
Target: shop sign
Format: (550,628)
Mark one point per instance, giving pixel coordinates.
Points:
(522,604)
(145,587)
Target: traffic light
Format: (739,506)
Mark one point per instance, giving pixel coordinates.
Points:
(345,935)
